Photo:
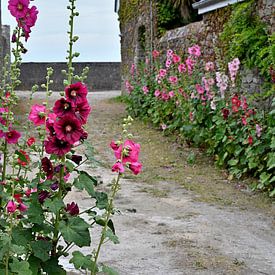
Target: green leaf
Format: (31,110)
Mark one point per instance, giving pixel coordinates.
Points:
(264,177)
(75,230)
(87,182)
(35,264)
(81,261)
(41,249)
(21,268)
(5,243)
(109,271)
(35,211)
(111,236)
(271,161)
(101,200)
(70,165)
(22,236)
(51,267)
(54,205)
(272,193)
(233,162)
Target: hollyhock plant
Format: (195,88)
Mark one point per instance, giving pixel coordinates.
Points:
(118,167)
(12,136)
(76,93)
(128,152)
(135,167)
(57,147)
(11,207)
(18,8)
(62,107)
(38,114)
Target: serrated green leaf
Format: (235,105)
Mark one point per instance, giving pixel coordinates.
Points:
(35,211)
(22,236)
(87,182)
(21,268)
(109,270)
(101,200)
(111,236)
(81,261)
(5,242)
(54,205)
(51,267)
(41,249)
(75,230)
(271,161)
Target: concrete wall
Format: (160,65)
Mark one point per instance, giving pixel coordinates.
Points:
(102,75)
(4,44)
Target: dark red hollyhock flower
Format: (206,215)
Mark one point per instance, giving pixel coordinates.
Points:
(235,101)
(84,135)
(250,140)
(225,113)
(47,167)
(82,111)
(30,141)
(62,107)
(76,159)
(57,146)
(18,197)
(43,195)
(76,93)
(68,128)
(72,209)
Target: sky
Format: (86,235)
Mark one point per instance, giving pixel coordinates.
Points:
(97,28)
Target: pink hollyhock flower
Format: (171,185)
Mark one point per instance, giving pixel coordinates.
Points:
(162,73)
(157,93)
(195,50)
(176,58)
(57,146)
(76,93)
(22,207)
(82,111)
(171,94)
(258,130)
(62,107)
(145,90)
(209,66)
(114,145)
(199,89)
(169,53)
(155,53)
(135,167)
(66,177)
(244,104)
(128,86)
(118,167)
(51,119)
(190,64)
(173,79)
(168,63)
(68,128)
(129,151)
(165,96)
(244,122)
(38,114)
(72,208)
(30,191)
(133,68)
(11,207)
(211,81)
(18,8)
(182,68)
(12,136)
(30,141)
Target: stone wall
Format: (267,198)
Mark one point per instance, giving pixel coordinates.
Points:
(102,75)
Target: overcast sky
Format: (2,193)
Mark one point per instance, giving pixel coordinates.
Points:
(97,26)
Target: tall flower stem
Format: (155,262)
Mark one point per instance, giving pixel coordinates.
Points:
(115,188)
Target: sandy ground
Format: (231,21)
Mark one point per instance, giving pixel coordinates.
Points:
(165,229)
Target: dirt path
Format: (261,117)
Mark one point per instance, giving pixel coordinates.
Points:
(179,216)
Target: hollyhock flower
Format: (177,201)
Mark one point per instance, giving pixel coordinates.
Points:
(28,192)
(169,53)
(258,130)
(118,167)
(195,50)
(22,207)
(18,8)
(244,122)
(50,123)
(30,141)
(3,111)
(57,146)
(157,93)
(76,159)
(66,177)
(250,140)
(62,107)
(168,63)
(128,87)
(165,96)
(31,16)
(26,160)
(76,93)
(47,167)
(155,53)
(43,195)
(176,58)
(162,73)
(173,79)
(163,126)
(129,151)
(114,145)
(145,90)
(38,114)
(244,104)
(135,167)
(235,101)
(84,136)
(225,113)
(68,128)
(171,94)
(199,89)
(54,186)
(133,68)
(182,68)
(11,207)
(190,65)
(18,197)
(209,66)
(72,208)
(211,81)
(82,111)
(12,136)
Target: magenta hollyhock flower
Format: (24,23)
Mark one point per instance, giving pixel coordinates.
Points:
(114,145)
(157,93)
(38,114)
(82,111)
(118,167)
(11,207)
(129,151)
(68,128)
(145,90)
(182,68)
(135,167)
(72,208)
(195,50)
(244,122)
(47,167)
(173,79)
(22,207)
(57,146)
(18,8)
(199,89)
(176,58)
(76,93)
(155,53)
(62,107)
(50,123)
(12,136)
(31,16)
(171,94)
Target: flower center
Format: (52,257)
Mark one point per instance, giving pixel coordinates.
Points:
(19,6)
(66,106)
(68,128)
(41,114)
(73,93)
